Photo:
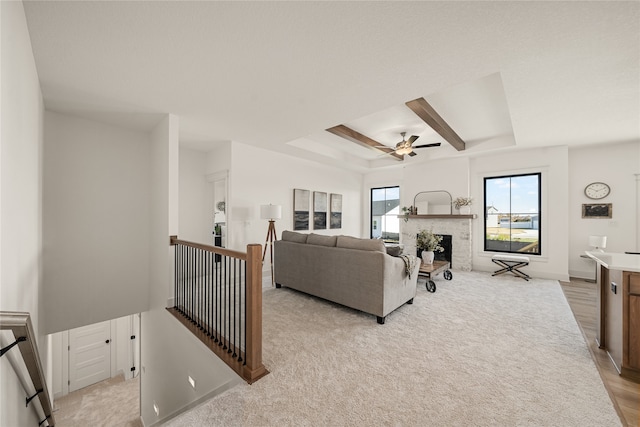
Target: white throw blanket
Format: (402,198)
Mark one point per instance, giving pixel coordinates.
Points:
(409,263)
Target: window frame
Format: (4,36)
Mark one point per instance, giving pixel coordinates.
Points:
(371,190)
(539,174)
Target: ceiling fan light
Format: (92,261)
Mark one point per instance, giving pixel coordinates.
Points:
(404,150)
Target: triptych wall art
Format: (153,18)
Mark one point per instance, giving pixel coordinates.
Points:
(323,209)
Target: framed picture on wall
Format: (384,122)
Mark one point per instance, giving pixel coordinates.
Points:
(597,210)
(335,204)
(319,210)
(300,209)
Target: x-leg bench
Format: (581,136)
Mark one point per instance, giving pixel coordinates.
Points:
(512,264)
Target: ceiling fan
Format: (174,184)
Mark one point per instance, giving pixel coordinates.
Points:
(406,146)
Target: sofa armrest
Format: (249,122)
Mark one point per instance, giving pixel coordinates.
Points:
(398,286)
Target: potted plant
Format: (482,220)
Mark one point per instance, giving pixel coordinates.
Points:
(406,211)
(428,243)
(463,205)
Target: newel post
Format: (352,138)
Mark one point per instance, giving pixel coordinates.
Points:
(254,369)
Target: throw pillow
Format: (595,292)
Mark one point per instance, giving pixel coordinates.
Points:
(292,236)
(320,240)
(349,242)
(395,250)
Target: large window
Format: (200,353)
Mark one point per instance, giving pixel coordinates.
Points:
(385,208)
(512,213)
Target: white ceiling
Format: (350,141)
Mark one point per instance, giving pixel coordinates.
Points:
(276,74)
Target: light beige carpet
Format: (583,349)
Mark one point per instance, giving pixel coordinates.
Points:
(110,403)
(481,351)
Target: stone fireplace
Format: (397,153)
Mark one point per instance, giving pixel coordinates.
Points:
(458,226)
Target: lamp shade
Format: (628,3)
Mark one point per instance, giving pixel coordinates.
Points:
(270,211)
(598,242)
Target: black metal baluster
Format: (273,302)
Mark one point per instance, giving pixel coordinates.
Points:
(184,280)
(242,304)
(224,305)
(235,279)
(200,307)
(245,312)
(191,281)
(223,260)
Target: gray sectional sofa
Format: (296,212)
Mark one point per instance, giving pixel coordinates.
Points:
(357,273)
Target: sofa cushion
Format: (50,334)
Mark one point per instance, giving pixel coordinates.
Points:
(394,250)
(320,240)
(292,236)
(349,242)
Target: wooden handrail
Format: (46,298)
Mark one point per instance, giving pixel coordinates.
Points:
(173,240)
(20,324)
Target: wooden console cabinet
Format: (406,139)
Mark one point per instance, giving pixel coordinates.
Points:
(618,330)
(631,325)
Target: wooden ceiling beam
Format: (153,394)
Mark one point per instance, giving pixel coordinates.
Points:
(360,139)
(431,117)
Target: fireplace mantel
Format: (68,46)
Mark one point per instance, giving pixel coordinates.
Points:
(439,216)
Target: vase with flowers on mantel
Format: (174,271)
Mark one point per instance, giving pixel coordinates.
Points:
(463,205)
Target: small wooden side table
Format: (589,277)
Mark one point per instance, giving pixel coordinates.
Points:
(431,270)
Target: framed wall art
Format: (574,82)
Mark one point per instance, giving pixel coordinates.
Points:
(319,210)
(300,209)
(597,210)
(335,209)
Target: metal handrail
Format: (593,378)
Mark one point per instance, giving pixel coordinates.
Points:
(20,324)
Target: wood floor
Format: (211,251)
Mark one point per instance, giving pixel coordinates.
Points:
(625,394)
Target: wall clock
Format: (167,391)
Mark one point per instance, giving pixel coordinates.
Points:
(597,190)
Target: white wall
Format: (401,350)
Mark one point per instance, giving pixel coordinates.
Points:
(259,177)
(21,124)
(616,165)
(169,351)
(196,224)
(451,175)
(96,209)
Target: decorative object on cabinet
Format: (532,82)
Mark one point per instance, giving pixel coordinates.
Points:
(597,190)
(598,242)
(300,209)
(319,210)
(601,210)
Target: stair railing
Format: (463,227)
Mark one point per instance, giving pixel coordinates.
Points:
(218,297)
(20,324)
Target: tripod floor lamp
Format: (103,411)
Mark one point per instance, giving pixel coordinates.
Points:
(270,212)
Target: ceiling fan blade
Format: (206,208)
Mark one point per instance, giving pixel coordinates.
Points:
(413,153)
(431,117)
(354,136)
(435,144)
(412,139)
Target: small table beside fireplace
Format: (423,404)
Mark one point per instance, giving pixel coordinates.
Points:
(431,270)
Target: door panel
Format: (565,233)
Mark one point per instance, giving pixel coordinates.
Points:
(89,355)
